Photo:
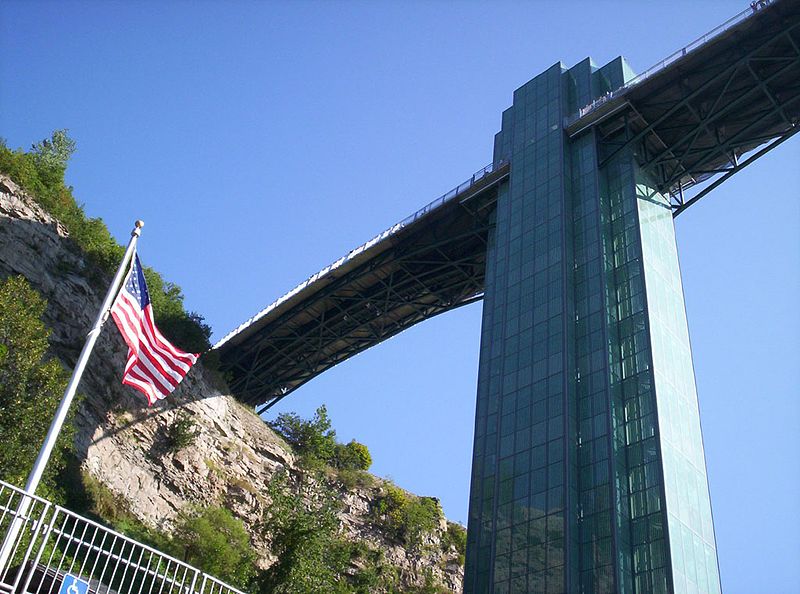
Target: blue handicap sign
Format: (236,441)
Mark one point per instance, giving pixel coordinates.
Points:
(73,585)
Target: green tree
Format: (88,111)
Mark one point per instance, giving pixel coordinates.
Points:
(421,517)
(314,440)
(316,443)
(351,456)
(31,386)
(455,536)
(311,558)
(216,542)
(406,517)
(181,433)
(55,151)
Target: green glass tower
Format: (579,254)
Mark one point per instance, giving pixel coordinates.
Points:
(588,466)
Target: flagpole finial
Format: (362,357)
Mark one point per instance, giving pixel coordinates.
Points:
(137,229)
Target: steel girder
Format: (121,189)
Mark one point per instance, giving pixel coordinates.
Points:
(705,114)
(692,120)
(435,267)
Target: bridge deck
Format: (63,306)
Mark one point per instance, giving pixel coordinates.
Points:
(431,262)
(699,114)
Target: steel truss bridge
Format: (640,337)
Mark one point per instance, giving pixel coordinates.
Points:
(694,120)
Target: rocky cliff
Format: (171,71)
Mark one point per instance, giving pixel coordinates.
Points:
(119,440)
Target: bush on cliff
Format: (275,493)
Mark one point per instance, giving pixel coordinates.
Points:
(31,386)
(455,536)
(406,517)
(216,542)
(303,535)
(315,441)
(40,171)
(351,456)
(210,538)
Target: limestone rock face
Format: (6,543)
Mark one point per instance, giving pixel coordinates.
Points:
(120,440)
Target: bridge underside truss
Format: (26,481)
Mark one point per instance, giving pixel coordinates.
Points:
(705,115)
(697,119)
(432,267)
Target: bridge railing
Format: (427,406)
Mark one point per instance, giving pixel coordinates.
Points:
(447,196)
(431,206)
(55,551)
(697,43)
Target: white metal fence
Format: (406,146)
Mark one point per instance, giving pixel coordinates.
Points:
(55,551)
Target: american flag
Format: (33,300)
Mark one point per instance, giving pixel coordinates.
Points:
(155,367)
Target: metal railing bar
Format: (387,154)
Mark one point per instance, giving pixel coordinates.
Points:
(431,206)
(108,560)
(34,537)
(119,558)
(38,558)
(174,583)
(136,570)
(166,573)
(149,562)
(77,551)
(687,49)
(155,571)
(122,537)
(183,581)
(55,548)
(21,492)
(98,556)
(15,549)
(6,510)
(7,506)
(117,563)
(127,565)
(86,559)
(58,542)
(194,581)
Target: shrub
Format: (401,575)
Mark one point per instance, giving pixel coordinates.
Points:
(352,478)
(314,440)
(374,574)
(429,586)
(311,557)
(53,153)
(455,536)
(406,517)
(181,433)
(216,542)
(352,456)
(31,387)
(388,509)
(421,517)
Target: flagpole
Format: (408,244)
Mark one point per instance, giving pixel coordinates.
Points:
(55,426)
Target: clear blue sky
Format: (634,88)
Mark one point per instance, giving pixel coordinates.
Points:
(262,141)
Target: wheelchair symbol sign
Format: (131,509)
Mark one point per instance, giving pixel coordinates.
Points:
(73,585)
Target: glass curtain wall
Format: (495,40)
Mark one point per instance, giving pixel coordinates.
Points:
(588,470)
